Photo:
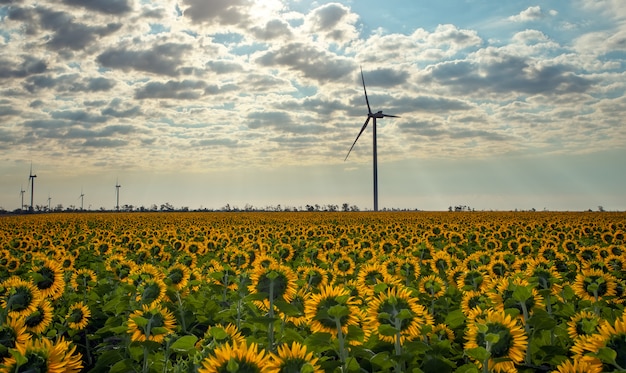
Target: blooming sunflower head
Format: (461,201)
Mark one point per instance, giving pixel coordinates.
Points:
(78,316)
(19,297)
(294,358)
(276,281)
(510,339)
(241,357)
(333,306)
(151,323)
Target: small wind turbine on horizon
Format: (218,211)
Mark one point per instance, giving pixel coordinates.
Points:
(82,195)
(31,178)
(378,115)
(117,194)
(49,200)
(22,191)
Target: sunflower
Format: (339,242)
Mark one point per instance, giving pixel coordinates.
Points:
(317,306)
(293,358)
(510,346)
(12,334)
(38,321)
(298,301)
(577,366)
(502,296)
(151,323)
(399,309)
(19,297)
(370,275)
(49,279)
(78,316)
(433,286)
(440,262)
(611,336)
(178,275)
(472,299)
(151,291)
(277,281)
(583,324)
(42,355)
(83,280)
(121,267)
(344,266)
(473,279)
(313,276)
(240,357)
(219,334)
(441,332)
(594,285)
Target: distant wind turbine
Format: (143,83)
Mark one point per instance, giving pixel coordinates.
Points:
(373,116)
(31,178)
(117,194)
(49,200)
(22,191)
(82,195)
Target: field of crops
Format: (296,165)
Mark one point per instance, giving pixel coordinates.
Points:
(313,292)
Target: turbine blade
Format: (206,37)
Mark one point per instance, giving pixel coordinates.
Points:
(391,116)
(369,110)
(357,137)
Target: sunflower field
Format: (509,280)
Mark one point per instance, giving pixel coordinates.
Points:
(313,292)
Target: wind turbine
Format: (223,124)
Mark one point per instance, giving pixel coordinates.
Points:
(378,115)
(22,191)
(117,194)
(31,178)
(49,199)
(82,195)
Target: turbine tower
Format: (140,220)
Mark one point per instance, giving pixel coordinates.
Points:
(117,194)
(49,200)
(31,178)
(82,195)
(378,115)
(22,191)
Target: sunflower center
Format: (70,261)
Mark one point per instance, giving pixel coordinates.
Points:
(500,348)
(76,316)
(34,363)
(155,321)
(176,275)
(279,284)
(596,280)
(293,365)
(34,318)
(618,344)
(387,307)
(7,338)
(47,279)
(20,300)
(150,293)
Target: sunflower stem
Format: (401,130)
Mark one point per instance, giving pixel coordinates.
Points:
(342,349)
(183,324)
(526,329)
(270,328)
(398,344)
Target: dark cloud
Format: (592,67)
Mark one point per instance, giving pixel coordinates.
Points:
(117,7)
(78,116)
(100,84)
(508,74)
(163,59)
(272,30)
(229,143)
(313,63)
(269,119)
(105,143)
(28,66)
(430,104)
(224,67)
(214,12)
(46,124)
(185,90)
(477,134)
(423,128)
(68,83)
(6,111)
(384,77)
(113,112)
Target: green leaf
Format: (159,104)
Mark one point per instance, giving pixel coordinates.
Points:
(606,355)
(522,293)
(122,366)
(218,333)
(382,360)
(467,368)
(387,330)
(541,320)
(455,319)
(232,366)
(287,308)
(184,344)
(338,311)
(404,314)
(478,353)
(318,339)
(380,287)
(492,338)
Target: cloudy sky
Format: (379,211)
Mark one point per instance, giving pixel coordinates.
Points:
(502,104)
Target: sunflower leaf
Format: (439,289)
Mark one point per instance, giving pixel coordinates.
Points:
(287,308)
(478,353)
(184,344)
(387,330)
(606,355)
(338,311)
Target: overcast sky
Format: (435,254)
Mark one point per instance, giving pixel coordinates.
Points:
(502,104)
